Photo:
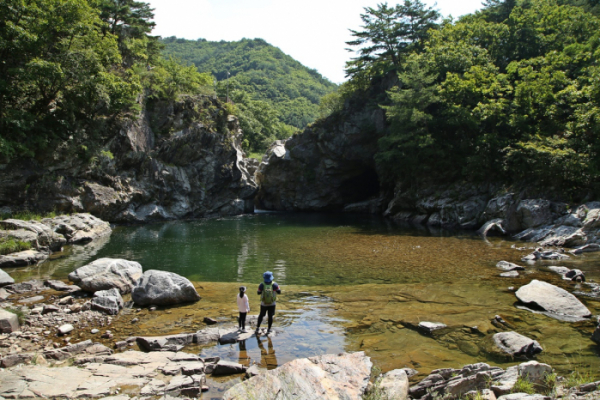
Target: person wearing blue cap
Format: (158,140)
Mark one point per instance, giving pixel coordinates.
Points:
(268,291)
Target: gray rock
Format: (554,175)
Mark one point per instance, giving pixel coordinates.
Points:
(430,327)
(164,343)
(26,287)
(163,288)
(516,345)
(108,301)
(343,376)
(9,322)
(524,396)
(534,371)
(508,266)
(60,286)
(393,385)
(107,273)
(495,226)
(575,275)
(5,279)
(228,368)
(22,258)
(588,248)
(252,371)
(510,274)
(505,383)
(40,236)
(554,301)
(233,336)
(65,329)
(559,270)
(79,228)
(533,213)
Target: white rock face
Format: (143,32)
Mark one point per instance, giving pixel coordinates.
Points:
(107,273)
(556,302)
(343,376)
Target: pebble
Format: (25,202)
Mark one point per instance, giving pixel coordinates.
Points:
(94,331)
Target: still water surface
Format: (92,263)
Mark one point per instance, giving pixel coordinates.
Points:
(350,282)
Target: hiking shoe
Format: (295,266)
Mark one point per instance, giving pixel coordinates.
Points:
(268,331)
(243,331)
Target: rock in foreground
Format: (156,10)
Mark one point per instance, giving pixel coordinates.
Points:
(107,273)
(163,288)
(554,301)
(516,345)
(343,376)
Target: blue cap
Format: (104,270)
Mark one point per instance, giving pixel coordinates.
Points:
(268,277)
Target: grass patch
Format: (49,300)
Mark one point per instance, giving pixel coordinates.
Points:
(523,385)
(8,246)
(26,215)
(577,378)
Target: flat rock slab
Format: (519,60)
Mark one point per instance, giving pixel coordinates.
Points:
(553,301)
(165,343)
(22,258)
(508,266)
(234,336)
(340,376)
(430,327)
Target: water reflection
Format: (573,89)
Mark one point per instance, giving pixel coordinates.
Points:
(268,359)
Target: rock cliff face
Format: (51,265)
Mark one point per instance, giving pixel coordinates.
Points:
(176,160)
(326,167)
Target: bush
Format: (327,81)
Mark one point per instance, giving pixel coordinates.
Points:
(8,246)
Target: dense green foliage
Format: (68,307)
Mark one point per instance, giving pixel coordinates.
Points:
(70,67)
(274,94)
(510,94)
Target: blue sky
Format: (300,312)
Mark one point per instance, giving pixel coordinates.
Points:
(313,32)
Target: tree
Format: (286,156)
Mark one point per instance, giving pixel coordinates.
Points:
(389,33)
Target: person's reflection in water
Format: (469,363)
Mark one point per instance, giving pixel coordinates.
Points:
(243,354)
(267,357)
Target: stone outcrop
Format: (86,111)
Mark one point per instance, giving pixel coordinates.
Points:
(343,376)
(552,301)
(163,288)
(107,273)
(177,159)
(108,301)
(327,166)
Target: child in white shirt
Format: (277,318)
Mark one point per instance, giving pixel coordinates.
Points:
(243,308)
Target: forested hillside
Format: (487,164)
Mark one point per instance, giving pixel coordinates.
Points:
(266,85)
(70,69)
(510,94)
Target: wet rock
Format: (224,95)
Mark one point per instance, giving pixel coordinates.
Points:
(163,288)
(508,266)
(22,258)
(393,385)
(553,301)
(60,286)
(516,345)
(252,371)
(588,248)
(5,279)
(343,376)
(495,226)
(9,322)
(165,343)
(510,274)
(575,275)
(107,273)
(228,368)
(108,301)
(559,270)
(210,321)
(429,327)
(233,336)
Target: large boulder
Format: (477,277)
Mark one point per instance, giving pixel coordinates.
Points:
(533,213)
(516,345)
(393,385)
(163,288)
(22,258)
(552,301)
(341,376)
(107,273)
(39,235)
(79,228)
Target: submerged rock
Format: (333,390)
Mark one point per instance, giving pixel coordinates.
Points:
(553,301)
(107,273)
(508,266)
(343,376)
(163,288)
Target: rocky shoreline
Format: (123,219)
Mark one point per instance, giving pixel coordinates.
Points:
(43,329)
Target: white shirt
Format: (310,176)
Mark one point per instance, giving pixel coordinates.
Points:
(243,303)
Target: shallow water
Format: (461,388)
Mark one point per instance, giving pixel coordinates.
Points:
(350,282)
